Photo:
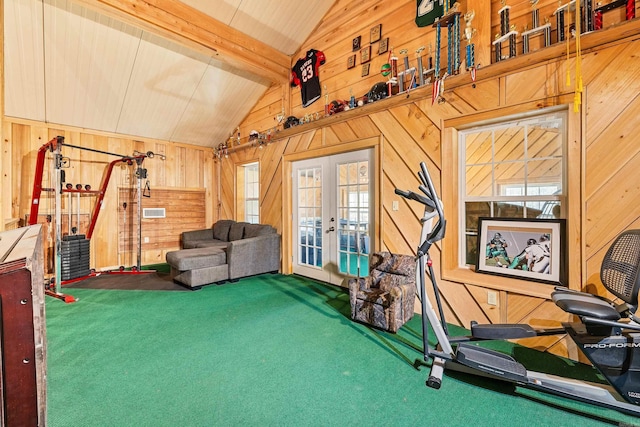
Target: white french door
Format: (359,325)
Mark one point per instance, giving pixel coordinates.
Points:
(332,216)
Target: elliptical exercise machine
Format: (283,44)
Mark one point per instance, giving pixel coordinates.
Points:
(608,332)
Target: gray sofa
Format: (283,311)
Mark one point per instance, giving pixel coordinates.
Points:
(227,251)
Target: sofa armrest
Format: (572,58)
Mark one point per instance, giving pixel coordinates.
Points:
(255,255)
(190,236)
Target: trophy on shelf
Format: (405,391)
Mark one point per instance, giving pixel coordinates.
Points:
(392,72)
(536,28)
(469,31)
(420,65)
(508,33)
(406,78)
(451,19)
(598,18)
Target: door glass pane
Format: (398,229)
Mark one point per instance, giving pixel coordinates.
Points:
(310,217)
(353,221)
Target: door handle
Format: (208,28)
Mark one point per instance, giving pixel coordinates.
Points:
(331,229)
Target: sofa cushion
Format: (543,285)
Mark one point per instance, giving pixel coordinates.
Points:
(221,229)
(190,259)
(236,232)
(209,244)
(254,230)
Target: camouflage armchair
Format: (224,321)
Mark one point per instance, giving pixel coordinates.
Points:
(385,299)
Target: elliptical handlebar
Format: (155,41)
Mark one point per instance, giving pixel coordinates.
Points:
(417,197)
(431,202)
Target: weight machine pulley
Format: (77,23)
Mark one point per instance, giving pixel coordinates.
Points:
(57,178)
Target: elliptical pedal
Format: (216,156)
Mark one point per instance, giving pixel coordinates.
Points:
(491,362)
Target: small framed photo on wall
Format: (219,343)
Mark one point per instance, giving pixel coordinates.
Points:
(376,33)
(356,44)
(365,54)
(351,61)
(365,69)
(383,47)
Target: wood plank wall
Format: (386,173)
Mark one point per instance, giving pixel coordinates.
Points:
(602,183)
(184,210)
(185,169)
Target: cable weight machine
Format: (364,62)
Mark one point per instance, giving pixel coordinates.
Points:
(71,251)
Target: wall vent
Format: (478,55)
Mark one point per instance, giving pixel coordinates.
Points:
(154,213)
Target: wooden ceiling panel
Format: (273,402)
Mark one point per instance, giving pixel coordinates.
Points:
(88,60)
(162,83)
(24,63)
(186,71)
(221,98)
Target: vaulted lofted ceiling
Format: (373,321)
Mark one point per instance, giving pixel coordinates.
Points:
(185,71)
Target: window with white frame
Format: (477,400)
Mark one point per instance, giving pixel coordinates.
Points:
(512,169)
(251,193)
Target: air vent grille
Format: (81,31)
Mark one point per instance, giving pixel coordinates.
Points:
(154,213)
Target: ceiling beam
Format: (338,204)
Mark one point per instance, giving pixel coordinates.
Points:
(188,26)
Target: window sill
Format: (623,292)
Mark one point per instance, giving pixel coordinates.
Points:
(522,287)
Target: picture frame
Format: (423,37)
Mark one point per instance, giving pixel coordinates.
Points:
(523,248)
(383,47)
(365,54)
(351,61)
(365,69)
(356,44)
(376,33)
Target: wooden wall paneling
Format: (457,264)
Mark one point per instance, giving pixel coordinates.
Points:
(526,85)
(316,139)
(391,240)
(20,182)
(5,140)
(209,185)
(621,192)
(6,175)
(397,135)
(607,100)
(171,165)
(461,304)
(194,175)
(180,167)
(363,127)
(299,143)
(329,136)
(185,210)
(344,132)
(437,112)
(227,183)
(422,130)
(401,227)
(156,165)
(490,313)
(478,96)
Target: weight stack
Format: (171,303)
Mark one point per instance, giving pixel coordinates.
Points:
(74,254)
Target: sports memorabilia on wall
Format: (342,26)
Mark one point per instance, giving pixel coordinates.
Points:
(428,11)
(305,74)
(376,33)
(351,61)
(356,44)
(365,54)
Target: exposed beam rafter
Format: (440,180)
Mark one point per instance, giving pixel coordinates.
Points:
(188,26)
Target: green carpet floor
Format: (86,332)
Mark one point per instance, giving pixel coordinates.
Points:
(270,351)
